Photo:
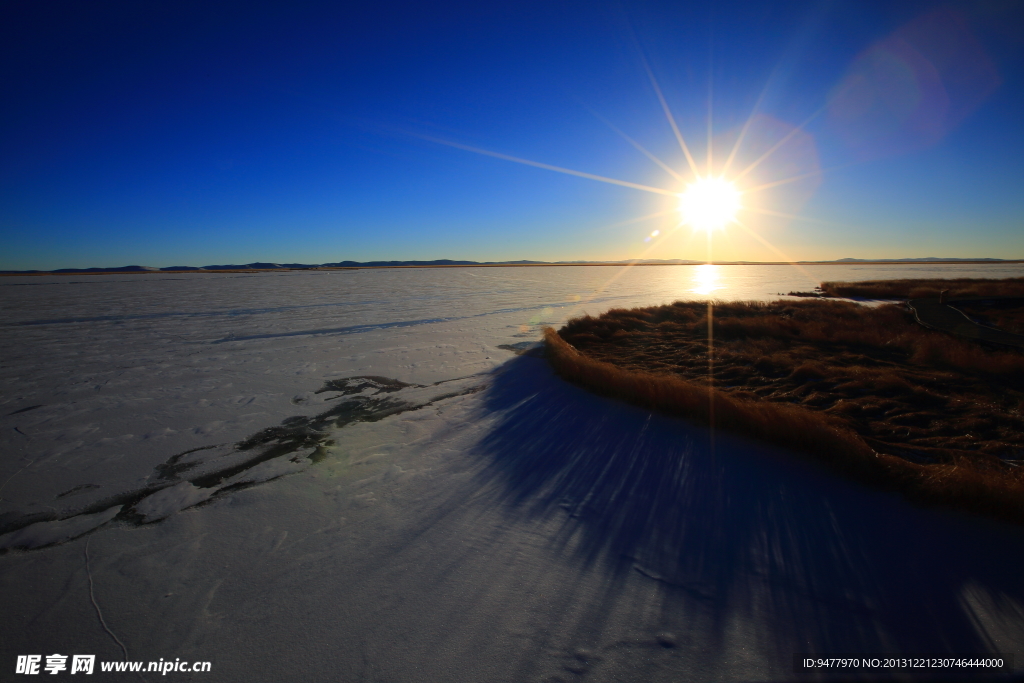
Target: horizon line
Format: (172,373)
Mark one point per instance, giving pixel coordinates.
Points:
(264,266)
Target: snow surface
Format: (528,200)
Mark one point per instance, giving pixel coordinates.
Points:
(42,534)
(453,513)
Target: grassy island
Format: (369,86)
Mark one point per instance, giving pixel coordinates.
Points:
(866,390)
(920,288)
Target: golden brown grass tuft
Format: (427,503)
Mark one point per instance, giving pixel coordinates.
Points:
(864,390)
(925,288)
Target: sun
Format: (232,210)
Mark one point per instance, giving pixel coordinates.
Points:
(709,203)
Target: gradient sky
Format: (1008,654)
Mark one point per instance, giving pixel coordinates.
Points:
(168,134)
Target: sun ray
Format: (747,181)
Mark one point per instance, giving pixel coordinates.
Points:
(668,169)
(796,130)
(746,127)
(789,136)
(792,216)
(729,186)
(640,219)
(711,155)
(671,119)
(627,267)
(622,271)
(711,101)
(778,251)
(785,181)
(689,240)
(549,167)
(793,179)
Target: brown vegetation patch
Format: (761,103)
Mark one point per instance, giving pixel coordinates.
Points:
(1003,314)
(865,389)
(926,288)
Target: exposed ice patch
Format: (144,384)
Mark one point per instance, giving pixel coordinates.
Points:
(166,502)
(43,534)
(77,489)
(271,469)
(183,462)
(359,384)
(293,445)
(25,410)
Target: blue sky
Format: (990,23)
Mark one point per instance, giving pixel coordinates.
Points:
(188,134)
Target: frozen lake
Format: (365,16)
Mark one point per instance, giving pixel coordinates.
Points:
(105,377)
(418,534)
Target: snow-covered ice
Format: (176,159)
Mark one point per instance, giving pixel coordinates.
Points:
(352,475)
(41,534)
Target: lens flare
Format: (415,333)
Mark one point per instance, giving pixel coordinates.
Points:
(710,203)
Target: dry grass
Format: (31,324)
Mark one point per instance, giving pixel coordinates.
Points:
(924,288)
(864,389)
(1005,315)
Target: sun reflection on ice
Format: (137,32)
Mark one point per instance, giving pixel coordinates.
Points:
(706,279)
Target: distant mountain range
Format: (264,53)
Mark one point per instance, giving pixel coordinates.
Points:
(438,262)
(906,260)
(339,264)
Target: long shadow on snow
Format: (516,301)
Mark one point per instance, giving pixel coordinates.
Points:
(827,566)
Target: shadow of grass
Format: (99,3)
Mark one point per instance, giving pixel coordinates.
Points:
(977,483)
(816,563)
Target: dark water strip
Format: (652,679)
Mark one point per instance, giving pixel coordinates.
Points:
(193,314)
(351,329)
(356,329)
